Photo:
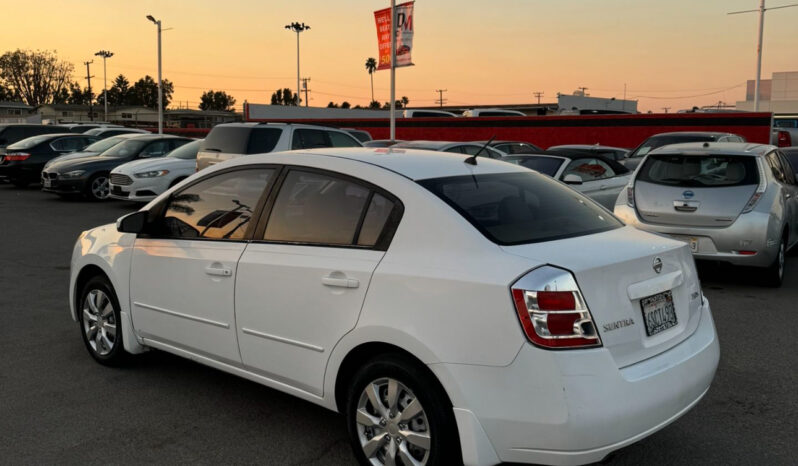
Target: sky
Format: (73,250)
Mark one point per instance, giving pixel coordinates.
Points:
(668,53)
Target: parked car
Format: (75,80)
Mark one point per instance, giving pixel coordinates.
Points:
(88,176)
(785,130)
(230,140)
(731,202)
(83,127)
(381,142)
(427,299)
(97,147)
(492,112)
(427,114)
(359,134)
(469,148)
(612,153)
(103,133)
(23,161)
(13,132)
(634,158)
(513,147)
(142,180)
(597,177)
(791,154)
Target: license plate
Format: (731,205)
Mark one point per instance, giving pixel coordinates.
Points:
(659,313)
(47,183)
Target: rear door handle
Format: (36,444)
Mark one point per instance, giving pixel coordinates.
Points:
(340,282)
(218,270)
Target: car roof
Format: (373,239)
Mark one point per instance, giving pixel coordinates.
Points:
(433,145)
(265,124)
(722,148)
(694,133)
(409,163)
(587,147)
(153,137)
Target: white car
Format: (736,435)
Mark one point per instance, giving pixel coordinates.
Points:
(452,312)
(142,180)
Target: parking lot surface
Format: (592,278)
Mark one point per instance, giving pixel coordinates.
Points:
(58,406)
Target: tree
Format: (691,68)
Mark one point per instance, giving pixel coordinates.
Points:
(345,104)
(405,101)
(34,76)
(332,105)
(78,96)
(7,94)
(145,93)
(217,100)
(374,105)
(119,93)
(283,97)
(371,66)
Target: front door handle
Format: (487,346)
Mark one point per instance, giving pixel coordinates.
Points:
(340,282)
(218,270)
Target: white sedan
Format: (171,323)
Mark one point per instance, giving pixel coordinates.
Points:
(143,180)
(452,312)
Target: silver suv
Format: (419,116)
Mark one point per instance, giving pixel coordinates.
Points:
(731,202)
(230,140)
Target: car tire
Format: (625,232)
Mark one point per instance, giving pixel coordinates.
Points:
(100,320)
(418,421)
(98,189)
(774,276)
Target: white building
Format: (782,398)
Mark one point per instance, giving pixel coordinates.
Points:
(778,94)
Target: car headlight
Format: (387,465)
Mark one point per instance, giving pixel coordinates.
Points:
(72,174)
(151,174)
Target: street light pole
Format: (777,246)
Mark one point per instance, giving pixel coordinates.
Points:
(297,27)
(105,54)
(160,86)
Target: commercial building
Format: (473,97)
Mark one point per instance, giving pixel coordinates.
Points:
(778,94)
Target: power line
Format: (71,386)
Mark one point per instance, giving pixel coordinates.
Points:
(440,100)
(690,96)
(538,94)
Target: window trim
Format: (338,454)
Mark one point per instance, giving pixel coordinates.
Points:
(383,241)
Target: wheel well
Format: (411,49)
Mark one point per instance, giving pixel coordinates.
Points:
(86,274)
(363,353)
(177,180)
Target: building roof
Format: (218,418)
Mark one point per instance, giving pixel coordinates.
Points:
(9,104)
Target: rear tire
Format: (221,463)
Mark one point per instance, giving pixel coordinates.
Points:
(774,276)
(100,322)
(396,408)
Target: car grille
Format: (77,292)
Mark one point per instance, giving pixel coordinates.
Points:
(121,180)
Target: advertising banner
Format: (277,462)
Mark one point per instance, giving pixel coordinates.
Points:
(404,35)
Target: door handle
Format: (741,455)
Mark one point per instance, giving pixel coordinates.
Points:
(340,282)
(219,271)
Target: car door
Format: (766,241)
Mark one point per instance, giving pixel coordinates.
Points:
(302,280)
(599,181)
(790,189)
(182,276)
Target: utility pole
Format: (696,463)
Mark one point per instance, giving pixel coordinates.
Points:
(160,85)
(305,88)
(666,109)
(88,78)
(440,100)
(297,27)
(538,94)
(583,89)
(761,11)
(105,54)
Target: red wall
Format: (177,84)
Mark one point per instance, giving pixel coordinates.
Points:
(613,130)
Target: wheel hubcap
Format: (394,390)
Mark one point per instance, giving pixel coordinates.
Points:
(392,425)
(100,188)
(99,322)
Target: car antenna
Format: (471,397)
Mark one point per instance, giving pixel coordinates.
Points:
(473,159)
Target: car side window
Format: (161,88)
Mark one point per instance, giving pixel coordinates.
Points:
(309,139)
(775,166)
(68,144)
(262,140)
(342,140)
(156,148)
(219,207)
(175,143)
(789,173)
(589,169)
(377,214)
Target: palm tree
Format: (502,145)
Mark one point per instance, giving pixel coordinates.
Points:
(371,66)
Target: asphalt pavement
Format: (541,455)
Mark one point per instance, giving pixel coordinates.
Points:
(58,406)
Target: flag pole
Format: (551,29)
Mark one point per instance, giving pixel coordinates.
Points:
(393,70)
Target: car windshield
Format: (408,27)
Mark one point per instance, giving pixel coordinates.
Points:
(186,151)
(699,171)
(518,208)
(659,141)
(125,149)
(103,144)
(545,165)
(29,142)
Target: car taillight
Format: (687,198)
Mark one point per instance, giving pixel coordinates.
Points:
(552,311)
(783,139)
(630,195)
(760,189)
(17,156)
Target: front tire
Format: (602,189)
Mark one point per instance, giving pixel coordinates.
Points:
(774,276)
(397,413)
(98,187)
(100,322)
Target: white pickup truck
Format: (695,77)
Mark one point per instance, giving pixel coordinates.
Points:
(785,131)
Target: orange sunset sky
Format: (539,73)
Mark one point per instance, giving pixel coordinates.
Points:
(670,53)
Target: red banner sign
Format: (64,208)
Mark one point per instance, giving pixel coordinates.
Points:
(404,35)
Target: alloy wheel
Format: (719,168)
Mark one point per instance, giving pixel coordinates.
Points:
(99,322)
(392,425)
(100,188)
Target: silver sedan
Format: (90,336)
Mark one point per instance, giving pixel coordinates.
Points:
(731,202)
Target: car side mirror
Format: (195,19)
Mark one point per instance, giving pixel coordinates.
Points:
(135,222)
(572,179)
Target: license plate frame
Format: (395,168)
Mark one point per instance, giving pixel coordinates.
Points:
(659,313)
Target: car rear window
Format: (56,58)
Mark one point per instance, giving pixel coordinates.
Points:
(29,142)
(659,141)
(699,171)
(519,208)
(228,139)
(545,165)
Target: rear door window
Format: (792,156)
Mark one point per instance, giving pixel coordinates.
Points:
(262,140)
(518,208)
(68,144)
(775,166)
(698,171)
(310,139)
(342,140)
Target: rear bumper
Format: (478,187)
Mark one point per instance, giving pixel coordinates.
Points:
(752,231)
(576,407)
(20,171)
